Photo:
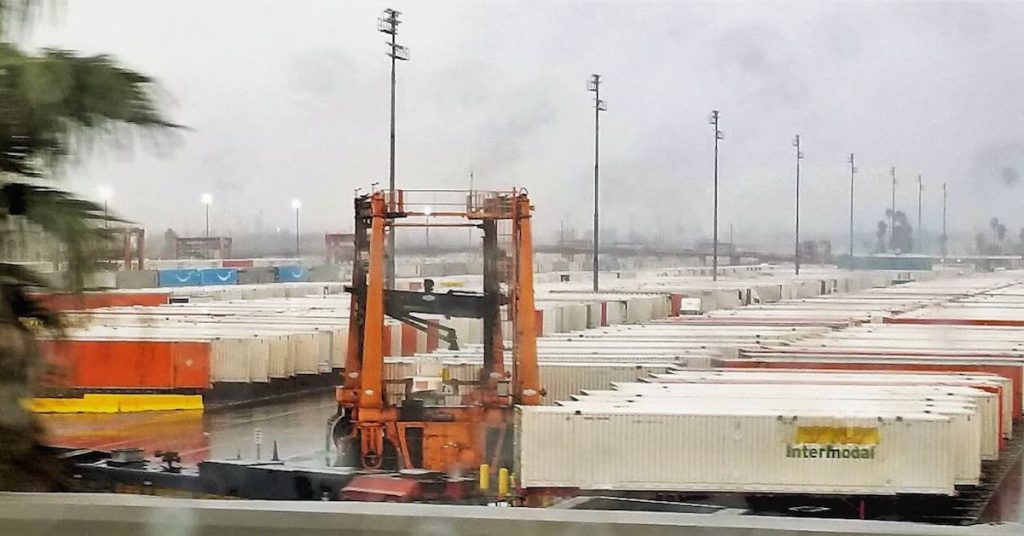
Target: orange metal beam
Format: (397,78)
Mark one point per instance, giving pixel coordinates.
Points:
(527,370)
(370,395)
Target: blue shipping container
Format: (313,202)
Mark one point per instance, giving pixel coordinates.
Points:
(179,278)
(219,276)
(291,274)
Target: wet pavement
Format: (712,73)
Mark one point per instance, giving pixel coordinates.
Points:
(300,428)
(1008,502)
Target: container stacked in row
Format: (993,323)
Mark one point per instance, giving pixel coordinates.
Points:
(886,391)
(809,433)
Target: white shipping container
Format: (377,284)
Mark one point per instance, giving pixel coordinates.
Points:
(988,382)
(229,361)
(615,312)
(563,379)
(259,361)
(986,404)
(731,451)
(280,350)
(324,340)
(303,355)
(965,435)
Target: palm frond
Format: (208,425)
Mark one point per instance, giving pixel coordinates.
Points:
(59,101)
(76,223)
(16,286)
(16,11)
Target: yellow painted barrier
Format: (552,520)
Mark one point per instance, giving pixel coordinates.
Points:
(114,403)
(485,477)
(503,482)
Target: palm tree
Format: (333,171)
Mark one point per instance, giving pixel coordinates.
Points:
(880,230)
(53,103)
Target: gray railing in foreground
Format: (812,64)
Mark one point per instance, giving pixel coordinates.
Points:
(109,515)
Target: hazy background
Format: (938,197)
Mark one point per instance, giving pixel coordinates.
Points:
(290,99)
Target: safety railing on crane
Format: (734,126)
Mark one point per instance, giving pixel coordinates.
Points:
(469,204)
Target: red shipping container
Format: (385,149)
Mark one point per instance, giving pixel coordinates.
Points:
(408,340)
(95,300)
(433,338)
(677,304)
(386,342)
(236,263)
(1003,322)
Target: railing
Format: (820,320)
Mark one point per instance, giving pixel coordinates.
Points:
(104,514)
(472,204)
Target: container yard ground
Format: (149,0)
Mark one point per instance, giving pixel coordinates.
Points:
(298,425)
(1008,502)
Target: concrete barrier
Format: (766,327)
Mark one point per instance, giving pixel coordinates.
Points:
(137,279)
(326,272)
(33,514)
(256,275)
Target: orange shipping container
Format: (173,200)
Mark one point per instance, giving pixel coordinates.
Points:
(121,364)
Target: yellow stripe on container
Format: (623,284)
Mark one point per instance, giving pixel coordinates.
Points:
(837,435)
(114,403)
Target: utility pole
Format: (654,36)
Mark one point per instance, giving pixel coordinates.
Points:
(296,205)
(594,85)
(920,189)
(207,200)
(470,204)
(106,193)
(945,237)
(719,135)
(853,171)
(388,23)
(892,211)
(799,157)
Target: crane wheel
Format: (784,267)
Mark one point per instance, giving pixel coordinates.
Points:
(386,461)
(346,443)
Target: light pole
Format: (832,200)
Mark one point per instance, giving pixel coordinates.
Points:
(719,135)
(920,189)
(594,85)
(945,237)
(796,250)
(428,211)
(853,171)
(470,205)
(106,194)
(296,204)
(388,23)
(892,208)
(207,200)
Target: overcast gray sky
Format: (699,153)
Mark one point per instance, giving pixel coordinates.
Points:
(289,99)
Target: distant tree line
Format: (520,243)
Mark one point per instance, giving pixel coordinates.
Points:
(901,237)
(994,243)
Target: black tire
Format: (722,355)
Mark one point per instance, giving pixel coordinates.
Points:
(346,443)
